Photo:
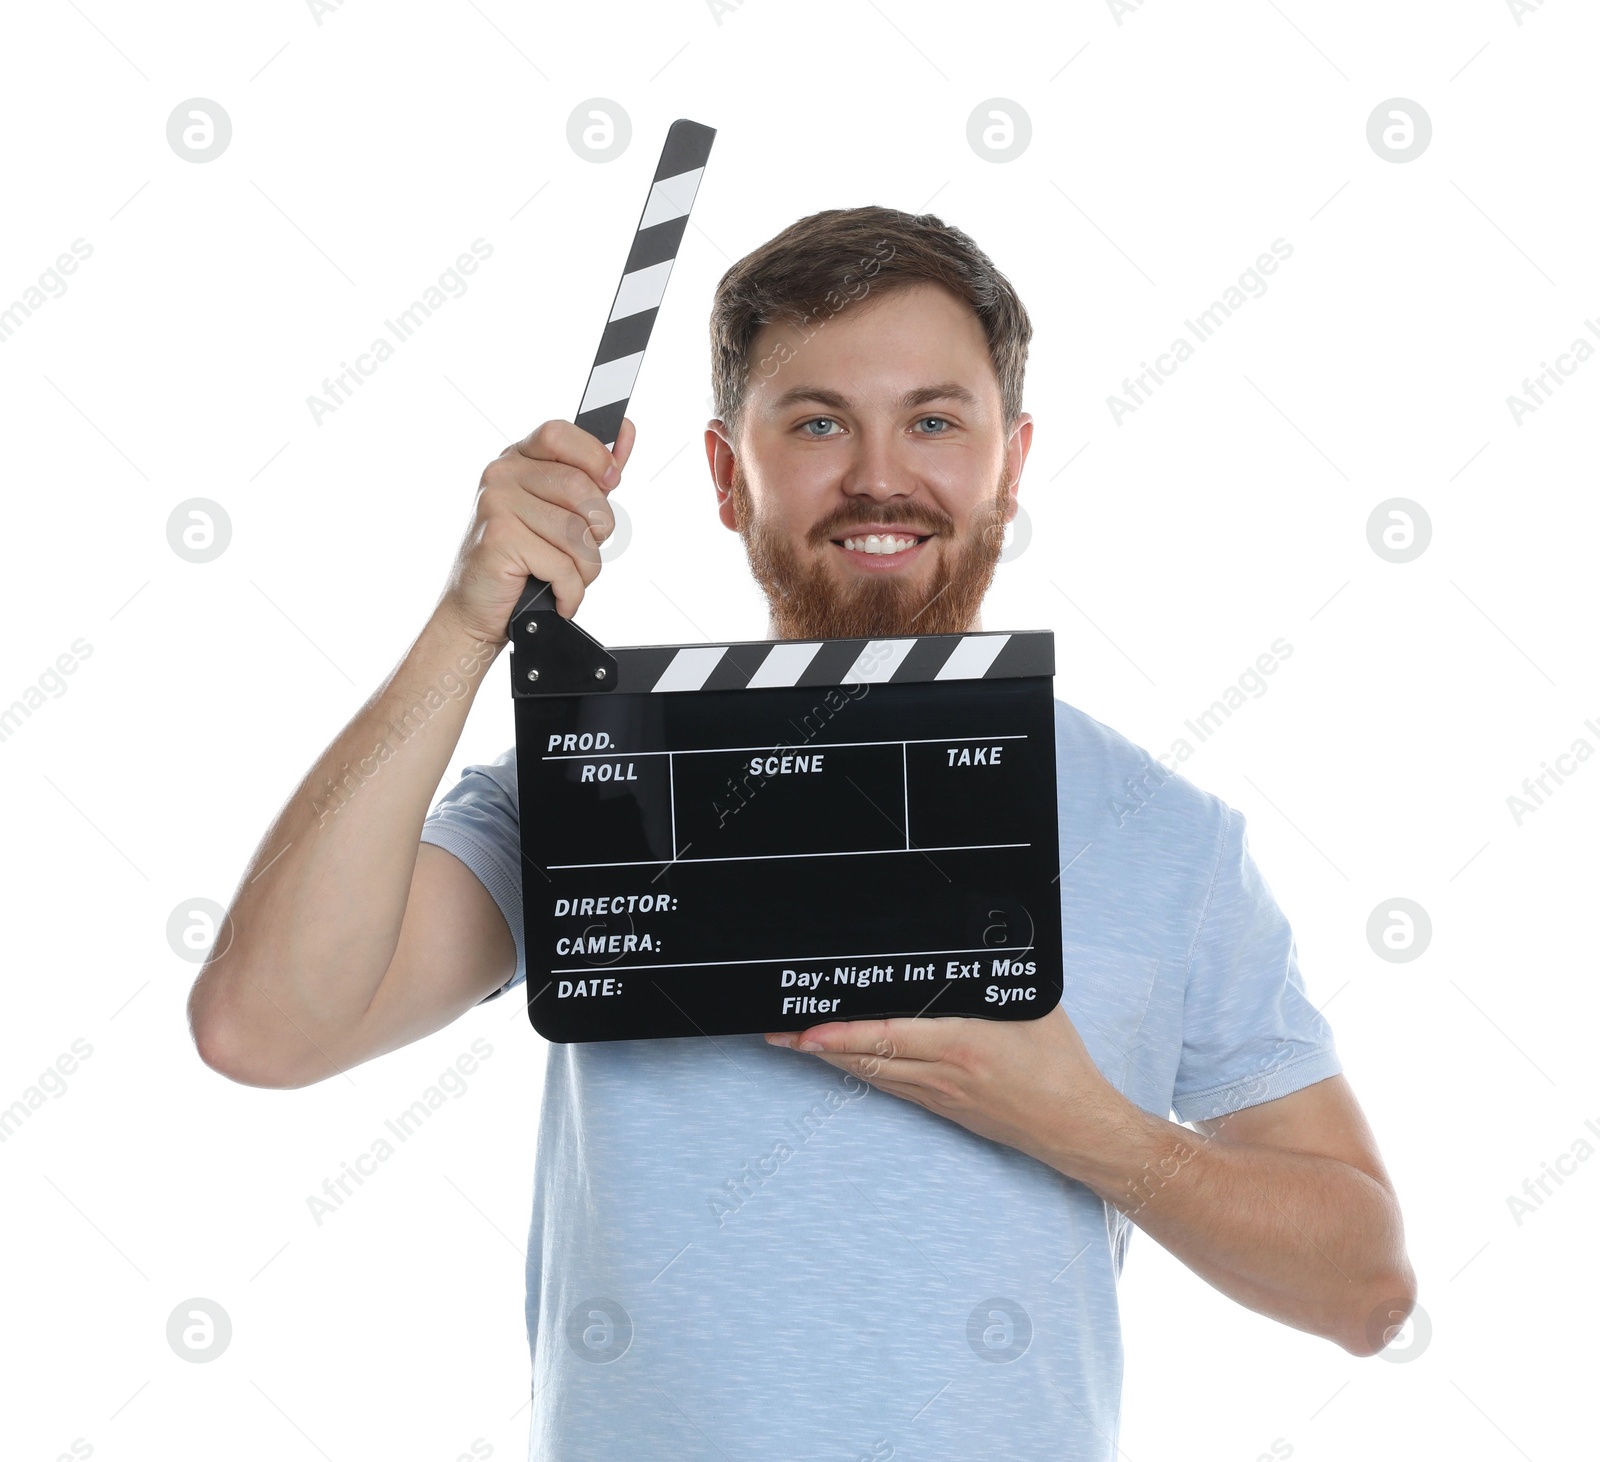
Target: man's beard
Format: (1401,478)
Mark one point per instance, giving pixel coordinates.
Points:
(808,604)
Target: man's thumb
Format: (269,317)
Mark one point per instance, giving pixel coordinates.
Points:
(623,449)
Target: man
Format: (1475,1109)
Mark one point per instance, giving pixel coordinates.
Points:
(879,1237)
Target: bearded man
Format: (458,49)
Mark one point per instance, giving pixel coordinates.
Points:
(865,1239)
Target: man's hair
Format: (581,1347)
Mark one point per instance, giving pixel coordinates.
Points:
(821,264)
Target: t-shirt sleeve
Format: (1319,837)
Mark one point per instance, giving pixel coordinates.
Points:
(1250,1032)
(477,820)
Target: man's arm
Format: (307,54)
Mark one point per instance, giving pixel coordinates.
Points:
(1285,1207)
(348,936)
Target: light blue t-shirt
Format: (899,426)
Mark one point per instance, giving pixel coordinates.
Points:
(741,1251)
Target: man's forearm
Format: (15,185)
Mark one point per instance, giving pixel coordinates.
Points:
(317,915)
(1307,1240)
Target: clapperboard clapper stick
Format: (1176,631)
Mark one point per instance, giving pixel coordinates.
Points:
(567,655)
(769,834)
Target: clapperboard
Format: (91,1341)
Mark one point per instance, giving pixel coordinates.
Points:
(766,835)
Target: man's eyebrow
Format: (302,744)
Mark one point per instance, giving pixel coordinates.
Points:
(837,401)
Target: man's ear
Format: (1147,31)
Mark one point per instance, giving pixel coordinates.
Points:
(720,459)
(1017,448)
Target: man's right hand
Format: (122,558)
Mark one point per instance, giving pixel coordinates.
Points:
(541,513)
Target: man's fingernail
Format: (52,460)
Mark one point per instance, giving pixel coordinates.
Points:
(809,1046)
(612,477)
(780,1040)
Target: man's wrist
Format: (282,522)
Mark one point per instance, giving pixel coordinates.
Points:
(448,644)
(447,661)
(1120,1152)
(447,629)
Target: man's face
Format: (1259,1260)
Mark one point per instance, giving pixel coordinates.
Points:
(881,431)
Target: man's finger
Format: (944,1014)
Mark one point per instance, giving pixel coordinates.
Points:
(923,1038)
(897,1073)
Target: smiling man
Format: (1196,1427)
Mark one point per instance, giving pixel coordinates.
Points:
(895,1237)
(885,514)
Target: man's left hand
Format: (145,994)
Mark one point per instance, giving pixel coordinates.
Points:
(1030,1084)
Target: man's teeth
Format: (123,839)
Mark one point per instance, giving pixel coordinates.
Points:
(881,542)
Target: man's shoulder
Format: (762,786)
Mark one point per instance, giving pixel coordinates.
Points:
(493,781)
(1105,779)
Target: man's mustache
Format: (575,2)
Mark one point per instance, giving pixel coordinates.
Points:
(913,520)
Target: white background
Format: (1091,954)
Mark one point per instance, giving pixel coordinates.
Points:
(1168,150)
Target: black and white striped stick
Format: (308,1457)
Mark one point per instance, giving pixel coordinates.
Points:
(805,664)
(638,298)
(772,664)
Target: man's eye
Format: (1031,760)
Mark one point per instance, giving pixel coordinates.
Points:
(814,420)
(943,419)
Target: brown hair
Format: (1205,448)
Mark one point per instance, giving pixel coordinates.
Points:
(820,264)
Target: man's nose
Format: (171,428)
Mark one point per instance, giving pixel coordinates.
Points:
(882,466)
